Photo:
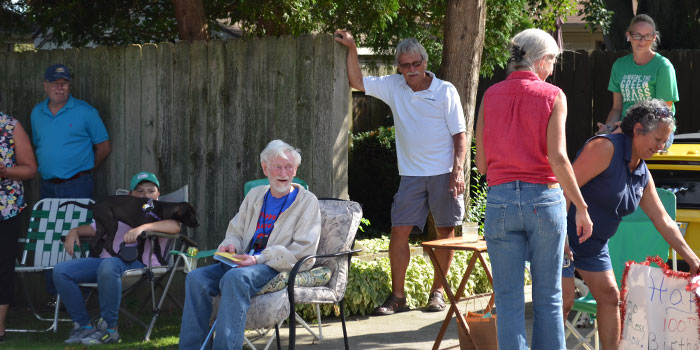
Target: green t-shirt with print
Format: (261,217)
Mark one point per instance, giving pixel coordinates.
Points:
(656,79)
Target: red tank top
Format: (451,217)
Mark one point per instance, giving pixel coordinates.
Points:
(516,115)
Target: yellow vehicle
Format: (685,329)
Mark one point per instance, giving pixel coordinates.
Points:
(678,171)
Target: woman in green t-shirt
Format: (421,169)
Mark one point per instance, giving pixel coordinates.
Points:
(642,75)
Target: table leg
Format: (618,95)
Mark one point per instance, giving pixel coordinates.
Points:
(490,278)
(461,322)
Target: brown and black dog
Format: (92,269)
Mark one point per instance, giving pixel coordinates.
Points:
(133,211)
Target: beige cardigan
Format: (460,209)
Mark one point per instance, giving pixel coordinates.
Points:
(294,235)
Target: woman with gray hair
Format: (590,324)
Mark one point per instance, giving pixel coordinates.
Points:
(521,147)
(642,75)
(614,180)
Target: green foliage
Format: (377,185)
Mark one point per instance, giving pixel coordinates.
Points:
(378,24)
(373,174)
(369,283)
(372,246)
(364,222)
(596,15)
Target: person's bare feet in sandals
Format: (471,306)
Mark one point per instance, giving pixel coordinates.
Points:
(436,302)
(393,304)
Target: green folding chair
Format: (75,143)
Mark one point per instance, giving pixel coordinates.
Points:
(635,239)
(43,247)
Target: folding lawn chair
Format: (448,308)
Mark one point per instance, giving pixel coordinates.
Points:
(155,276)
(43,247)
(635,239)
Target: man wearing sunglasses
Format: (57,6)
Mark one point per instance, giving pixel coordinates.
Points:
(431,147)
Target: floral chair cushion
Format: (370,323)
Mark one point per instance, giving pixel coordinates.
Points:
(313,278)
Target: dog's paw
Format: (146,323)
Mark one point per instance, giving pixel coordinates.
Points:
(584,321)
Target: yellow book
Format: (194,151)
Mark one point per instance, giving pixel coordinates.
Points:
(226,258)
(227,255)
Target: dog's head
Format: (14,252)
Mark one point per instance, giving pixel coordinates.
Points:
(186,214)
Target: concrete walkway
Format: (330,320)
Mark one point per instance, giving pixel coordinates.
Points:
(415,329)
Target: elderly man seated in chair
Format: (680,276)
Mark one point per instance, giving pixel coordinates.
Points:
(274,227)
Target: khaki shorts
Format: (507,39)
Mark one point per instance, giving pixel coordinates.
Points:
(418,194)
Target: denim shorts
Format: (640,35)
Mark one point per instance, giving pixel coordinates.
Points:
(418,194)
(594,263)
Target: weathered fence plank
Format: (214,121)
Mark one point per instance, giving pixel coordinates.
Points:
(116,124)
(149,108)
(215,146)
(132,147)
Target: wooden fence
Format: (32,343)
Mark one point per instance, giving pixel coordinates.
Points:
(200,113)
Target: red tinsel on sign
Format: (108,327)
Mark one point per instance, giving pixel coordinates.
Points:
(691,286)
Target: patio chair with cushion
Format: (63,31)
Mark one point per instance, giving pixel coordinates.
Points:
(324,284)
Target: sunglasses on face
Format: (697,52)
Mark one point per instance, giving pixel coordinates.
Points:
(408,65)
(637,36)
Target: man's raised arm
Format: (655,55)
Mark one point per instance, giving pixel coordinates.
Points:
(354,72)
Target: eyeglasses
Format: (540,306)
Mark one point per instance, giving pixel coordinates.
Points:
(408,65)
(637,36)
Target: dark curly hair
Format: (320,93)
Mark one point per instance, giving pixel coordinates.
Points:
(649,114)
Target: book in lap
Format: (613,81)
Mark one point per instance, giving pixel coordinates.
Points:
(226,258)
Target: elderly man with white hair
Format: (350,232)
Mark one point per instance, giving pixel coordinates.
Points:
(431,146)
(274,227)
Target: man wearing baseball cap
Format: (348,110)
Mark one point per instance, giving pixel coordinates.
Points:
(70,138)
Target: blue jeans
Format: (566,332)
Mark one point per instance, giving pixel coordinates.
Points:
(527,221)
(106,272)
(236,286)
(81,187)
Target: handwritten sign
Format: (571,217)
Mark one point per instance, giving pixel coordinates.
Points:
(658,312)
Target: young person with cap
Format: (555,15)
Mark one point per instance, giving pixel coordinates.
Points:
(106,270)
(70,139)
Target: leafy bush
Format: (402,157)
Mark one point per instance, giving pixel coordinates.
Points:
(369,282)
(373,176)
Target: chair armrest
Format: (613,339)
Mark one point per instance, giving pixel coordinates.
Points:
(297,266)
(184,238)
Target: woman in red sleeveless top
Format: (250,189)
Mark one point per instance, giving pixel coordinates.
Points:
(521,147)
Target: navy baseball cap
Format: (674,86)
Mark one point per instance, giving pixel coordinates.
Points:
(55,72)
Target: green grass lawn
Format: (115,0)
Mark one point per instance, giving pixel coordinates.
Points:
(164,336)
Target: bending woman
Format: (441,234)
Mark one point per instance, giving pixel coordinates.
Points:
(615,181)
(521,147)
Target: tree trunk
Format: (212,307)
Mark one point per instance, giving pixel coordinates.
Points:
(191,21)
(465,22)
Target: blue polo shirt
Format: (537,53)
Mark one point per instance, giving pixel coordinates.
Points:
(64,142)
(612,194)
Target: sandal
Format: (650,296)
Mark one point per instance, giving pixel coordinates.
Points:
(392,305)
(436,302)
